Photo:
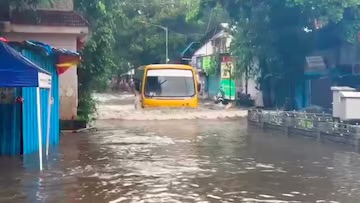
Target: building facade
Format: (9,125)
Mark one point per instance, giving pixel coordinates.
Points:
(58,25)
(216,46)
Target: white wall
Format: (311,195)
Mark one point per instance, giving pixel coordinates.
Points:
(251,87)
(69,79)
(56,40)
(205,50)
(252,81)
(228,42)
(208,49)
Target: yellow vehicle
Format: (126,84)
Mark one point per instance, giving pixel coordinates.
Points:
(167,85)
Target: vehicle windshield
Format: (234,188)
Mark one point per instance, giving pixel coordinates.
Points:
(169,83)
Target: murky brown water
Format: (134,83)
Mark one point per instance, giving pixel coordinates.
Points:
(113,106)
(184,161)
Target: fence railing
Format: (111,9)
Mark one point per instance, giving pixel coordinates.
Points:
(319,124)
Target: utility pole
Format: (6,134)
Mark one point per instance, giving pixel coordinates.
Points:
(167,44)
(166,29)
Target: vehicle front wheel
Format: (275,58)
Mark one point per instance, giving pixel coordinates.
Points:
(225,102)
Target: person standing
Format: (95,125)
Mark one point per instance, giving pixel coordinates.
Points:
(259,102)
(131,85)
(136,87)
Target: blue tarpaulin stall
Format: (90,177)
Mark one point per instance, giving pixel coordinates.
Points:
(55,61)
(16,72)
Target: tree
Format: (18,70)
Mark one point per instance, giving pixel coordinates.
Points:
(274,33)
(19,4)
(344,14)
(145,41)
(126,34)
(97,54)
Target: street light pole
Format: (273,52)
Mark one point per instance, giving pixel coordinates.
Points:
(166,39)
(167,44)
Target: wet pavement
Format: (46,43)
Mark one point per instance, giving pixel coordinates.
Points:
(184,161)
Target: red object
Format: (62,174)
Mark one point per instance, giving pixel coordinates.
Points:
(61,70)
(66,59)
(226,59)
(79,44)
(2,39)
(19,100)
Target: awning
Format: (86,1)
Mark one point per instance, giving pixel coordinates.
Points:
(65,62)
(18,71)
(190,50)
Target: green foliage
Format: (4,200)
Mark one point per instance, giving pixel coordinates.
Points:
(141,40)
(333,10)
(214,66)
(19,4)
(345,14)
(97,62)
(126,34)
(87,106)
(271,34)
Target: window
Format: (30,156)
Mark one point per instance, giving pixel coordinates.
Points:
(220,45)
(169,83)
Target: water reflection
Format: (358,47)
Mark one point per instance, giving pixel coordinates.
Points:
(185,161)
(44,186)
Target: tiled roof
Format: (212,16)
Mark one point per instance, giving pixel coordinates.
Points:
(48,18)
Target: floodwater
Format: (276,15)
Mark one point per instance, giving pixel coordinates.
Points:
(121,106)
(184,161)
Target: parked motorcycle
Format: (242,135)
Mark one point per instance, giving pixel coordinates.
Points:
(220,98)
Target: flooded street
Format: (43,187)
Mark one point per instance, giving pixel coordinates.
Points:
(121,107)
(184,161)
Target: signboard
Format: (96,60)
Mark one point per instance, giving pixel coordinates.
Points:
(44,80)
(227,69)
(315,63)
(227,83)
(206,63)
(229,88)
(7,95)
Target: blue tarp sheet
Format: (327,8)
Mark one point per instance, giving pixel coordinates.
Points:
(49,50)
(16,70)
